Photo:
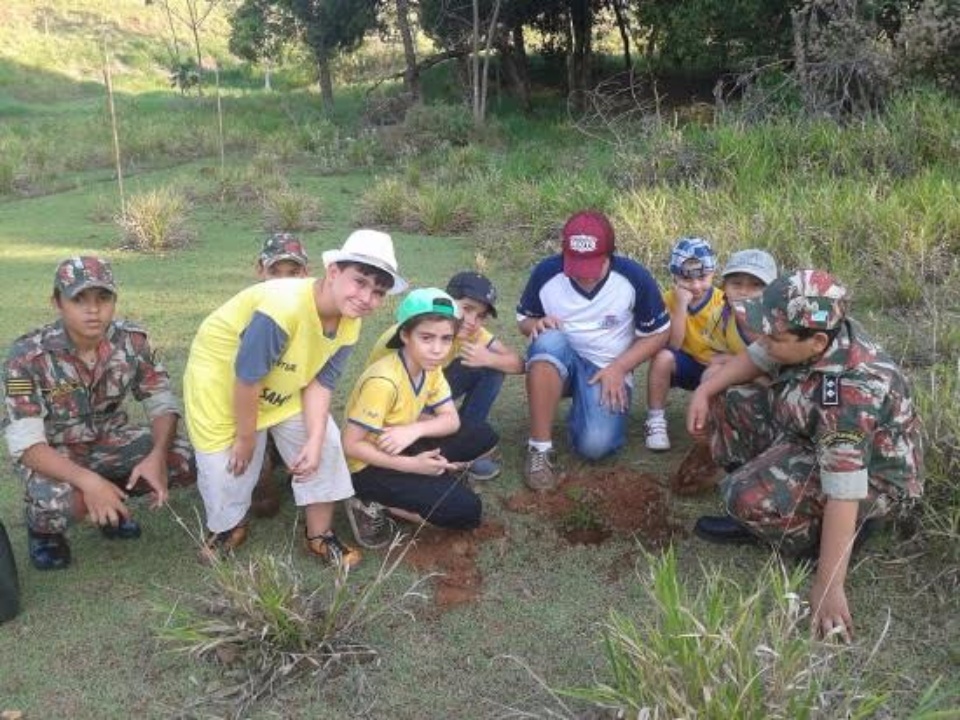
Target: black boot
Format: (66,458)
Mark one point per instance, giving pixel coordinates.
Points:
(723,529)
(48,551)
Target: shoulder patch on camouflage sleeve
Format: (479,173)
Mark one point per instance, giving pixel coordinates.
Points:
(18,387)
(132,327)
(830,390)
(838,438)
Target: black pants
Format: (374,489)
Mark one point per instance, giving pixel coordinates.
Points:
(442,500)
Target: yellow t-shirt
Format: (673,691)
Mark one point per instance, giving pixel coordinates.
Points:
(386,396)
(698,319)
(210,376)
(723,334)
(380,350)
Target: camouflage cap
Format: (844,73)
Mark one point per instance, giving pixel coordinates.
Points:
(76,274)
(810,299)
(283,246)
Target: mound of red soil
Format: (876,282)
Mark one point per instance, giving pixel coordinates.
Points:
(592,506)
(453,555)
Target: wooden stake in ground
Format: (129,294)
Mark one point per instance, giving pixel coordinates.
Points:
(113,124)
(216,75)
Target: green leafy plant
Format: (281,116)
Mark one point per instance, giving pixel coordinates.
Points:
(586,514)
(288,210)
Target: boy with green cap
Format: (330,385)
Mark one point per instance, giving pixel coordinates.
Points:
(70,439)
(831,444)
(405,444)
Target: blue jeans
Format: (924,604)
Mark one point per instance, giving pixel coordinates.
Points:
(478,386)
(595,431)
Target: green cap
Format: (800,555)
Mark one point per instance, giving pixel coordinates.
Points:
(423,301)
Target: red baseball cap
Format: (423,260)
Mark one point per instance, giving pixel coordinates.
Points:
(587,241)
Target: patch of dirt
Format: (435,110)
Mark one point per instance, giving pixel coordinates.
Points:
(453,555)
(697,472)
(593,506)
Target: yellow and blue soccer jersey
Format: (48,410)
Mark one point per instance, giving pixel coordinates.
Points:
(386,396)
(723,334)
(270,334)
(380,350)
(698,322)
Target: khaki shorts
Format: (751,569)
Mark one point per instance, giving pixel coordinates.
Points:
(226,497)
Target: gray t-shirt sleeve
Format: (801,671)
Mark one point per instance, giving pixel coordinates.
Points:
(332,370)
(261,344)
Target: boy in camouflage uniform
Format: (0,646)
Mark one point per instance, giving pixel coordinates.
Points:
(69,438)
(833,442)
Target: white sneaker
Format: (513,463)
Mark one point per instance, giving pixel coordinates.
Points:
(657,437)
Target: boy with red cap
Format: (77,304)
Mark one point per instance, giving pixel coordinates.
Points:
(592,317)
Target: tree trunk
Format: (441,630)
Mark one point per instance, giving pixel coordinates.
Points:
(513,56)
(326,85)
(411,76)
(195,28)
(581,27)
(624,33)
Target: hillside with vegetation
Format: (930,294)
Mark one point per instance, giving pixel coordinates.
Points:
(829,136)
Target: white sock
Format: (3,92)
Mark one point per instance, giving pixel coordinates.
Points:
(653,414)
(540,445)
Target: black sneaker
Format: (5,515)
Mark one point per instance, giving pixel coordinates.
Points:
(48,551)
(372,527)
(724,530)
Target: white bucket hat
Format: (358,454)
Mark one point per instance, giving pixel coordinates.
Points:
(369,247)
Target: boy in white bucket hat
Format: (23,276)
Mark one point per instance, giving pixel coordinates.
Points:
(266,362)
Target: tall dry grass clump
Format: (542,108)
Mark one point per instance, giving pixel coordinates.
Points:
(268,625)
(286,209)
(723,651)
(156,221)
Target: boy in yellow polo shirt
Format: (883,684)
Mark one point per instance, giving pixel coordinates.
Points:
(477,362)
(691,302)
(267,362)
(403,438)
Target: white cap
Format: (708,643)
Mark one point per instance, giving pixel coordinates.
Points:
(369,247)
(758,263)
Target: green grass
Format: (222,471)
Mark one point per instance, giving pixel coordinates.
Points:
(878,202)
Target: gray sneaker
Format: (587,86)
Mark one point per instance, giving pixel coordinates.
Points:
(372,527)
(538,470)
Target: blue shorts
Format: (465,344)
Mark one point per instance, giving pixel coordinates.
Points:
(686,371)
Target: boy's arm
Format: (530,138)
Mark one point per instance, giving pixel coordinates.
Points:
(357,445)
(442,421)
(153,468)
(316,402)
(828,598)
(245,399)
(495,355)
(613,391)
(679,302)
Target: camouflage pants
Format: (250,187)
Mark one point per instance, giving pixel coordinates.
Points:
(49,504)
(774,483)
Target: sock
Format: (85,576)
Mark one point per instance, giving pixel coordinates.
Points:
(540,445)
(654,414)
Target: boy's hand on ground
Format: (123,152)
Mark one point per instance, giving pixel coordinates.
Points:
(394,440)
(241,454)
(613,388)
(830,614)
(105,503)
(430,462)
(306,462)
(153,471)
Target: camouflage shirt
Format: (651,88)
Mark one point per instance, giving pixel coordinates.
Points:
(853,406)
(54,397)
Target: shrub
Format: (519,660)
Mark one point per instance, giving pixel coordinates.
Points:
(286,209)
(265,618)
(430,127)
(387,204)
(155,221)
(725,652)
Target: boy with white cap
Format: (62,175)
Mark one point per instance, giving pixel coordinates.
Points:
(267,361)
